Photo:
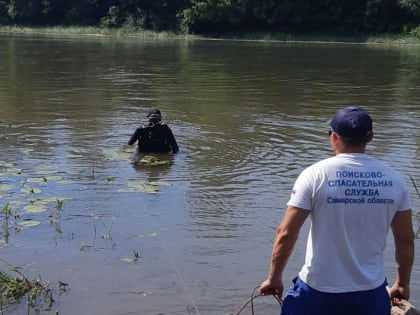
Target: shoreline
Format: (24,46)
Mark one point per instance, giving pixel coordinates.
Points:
(91,31)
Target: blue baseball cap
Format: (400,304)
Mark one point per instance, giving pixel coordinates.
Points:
(351,122)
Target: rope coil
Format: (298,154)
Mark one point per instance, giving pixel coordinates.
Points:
(254,296)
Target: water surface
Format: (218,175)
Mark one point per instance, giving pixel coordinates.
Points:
(248,117)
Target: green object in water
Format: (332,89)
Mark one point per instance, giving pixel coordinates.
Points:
(153,161)
(29,223)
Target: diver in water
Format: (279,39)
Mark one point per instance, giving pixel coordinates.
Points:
(156,137)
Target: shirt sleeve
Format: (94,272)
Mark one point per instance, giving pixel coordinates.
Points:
(172,142)
(405,203)
(135,136)
(302,192)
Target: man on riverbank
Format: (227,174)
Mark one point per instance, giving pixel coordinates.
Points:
(353,199)
(154,137)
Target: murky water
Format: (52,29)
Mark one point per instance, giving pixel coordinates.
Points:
(248,117)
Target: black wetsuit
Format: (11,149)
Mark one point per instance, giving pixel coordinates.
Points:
(156,138)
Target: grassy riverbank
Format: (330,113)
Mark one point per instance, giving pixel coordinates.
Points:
(391,39)
(128,32)
(88,31)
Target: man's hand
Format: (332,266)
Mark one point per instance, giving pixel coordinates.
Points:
(269,287)
(397,293)
(128,148)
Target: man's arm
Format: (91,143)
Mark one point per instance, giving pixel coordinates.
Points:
(286,236)
(172,141)
(134,137)
(402,229)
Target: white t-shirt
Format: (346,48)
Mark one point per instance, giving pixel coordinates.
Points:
(352,199)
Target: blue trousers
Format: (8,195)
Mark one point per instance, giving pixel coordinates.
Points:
(303,300)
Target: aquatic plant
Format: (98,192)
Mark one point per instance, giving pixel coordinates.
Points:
(140,187)
(153,161)
(9,213)
(59,205)
(30,197)
(7,210)
(132,259)
(55,218)
(14,286)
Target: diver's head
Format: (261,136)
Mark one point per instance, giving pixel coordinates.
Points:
(154,116)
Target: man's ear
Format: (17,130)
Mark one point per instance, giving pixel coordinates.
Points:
(369,136)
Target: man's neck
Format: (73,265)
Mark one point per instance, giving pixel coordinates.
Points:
(350,150)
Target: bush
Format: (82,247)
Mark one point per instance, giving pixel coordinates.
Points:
(415,32)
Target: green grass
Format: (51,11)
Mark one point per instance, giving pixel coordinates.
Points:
(132,32)
(394,39)
(88,31)
(13,288)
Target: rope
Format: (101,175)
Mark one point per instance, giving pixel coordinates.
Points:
(254,296)
(414,184)
(193,307)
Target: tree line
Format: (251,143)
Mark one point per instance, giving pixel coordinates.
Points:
(220,16)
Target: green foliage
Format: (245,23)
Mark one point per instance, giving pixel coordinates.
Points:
(153,161)
(59,205)
(28,11)
(415,32)
(204,15)
(207,16)
(85,12)
(4,18)
(113,19)
(14,288)
(7,210)
(134,15)
(413,6)
(11,287)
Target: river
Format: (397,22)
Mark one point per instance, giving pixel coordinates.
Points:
(195,236)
